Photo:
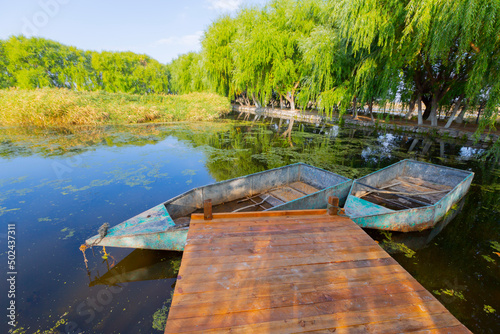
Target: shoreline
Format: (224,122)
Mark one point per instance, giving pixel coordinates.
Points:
(366,122)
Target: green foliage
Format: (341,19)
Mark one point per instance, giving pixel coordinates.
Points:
(217,51)
(445,52)
(327,54)
(31,63)
(129,72)
(187,74)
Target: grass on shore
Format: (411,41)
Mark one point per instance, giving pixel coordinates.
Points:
(62,107)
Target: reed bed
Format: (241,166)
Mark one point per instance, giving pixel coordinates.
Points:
(63,107)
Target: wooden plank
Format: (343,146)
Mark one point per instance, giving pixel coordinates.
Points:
(296,271)
(274,289)
(303,187)
(275,239)
(222,284)
(348,321)
(249,248)
(290,298)
(420,182)
(247,225)
(286,194)
(239,215)
(302,311)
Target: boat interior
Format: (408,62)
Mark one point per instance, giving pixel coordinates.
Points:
(266,200)
(255,192)
(404,192)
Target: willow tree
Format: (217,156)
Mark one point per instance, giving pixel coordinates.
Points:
(187,74)
(37,62)
(5,76)
(291,21)
(267,55)
(329,66)
(217,54)
(462,37)
(448,51)
(33,62)
(129,72)
(252,55)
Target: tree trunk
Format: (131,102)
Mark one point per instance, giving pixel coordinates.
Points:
(412,108)
(288,131)
(460,118)
(281,101)
(370,109)
(291,100)
(419,105)
(455,110)
(433,114)
(413,144)
(479,111)
(427,102)
(355,108)
(257,103)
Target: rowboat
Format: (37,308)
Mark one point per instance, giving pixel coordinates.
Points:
(165,226)
(406,196)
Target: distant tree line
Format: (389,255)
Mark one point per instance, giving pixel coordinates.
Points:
(37,62)
(431,56)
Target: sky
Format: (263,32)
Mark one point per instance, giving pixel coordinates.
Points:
(160,29)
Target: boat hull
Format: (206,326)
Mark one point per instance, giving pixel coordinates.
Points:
(370,215)
(159,228)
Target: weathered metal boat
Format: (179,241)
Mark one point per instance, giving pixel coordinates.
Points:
(406,196)
(165,226)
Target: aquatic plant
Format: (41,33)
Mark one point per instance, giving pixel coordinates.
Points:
(451,293)
(396,247)
(489,309)
(61,321)
(161,315)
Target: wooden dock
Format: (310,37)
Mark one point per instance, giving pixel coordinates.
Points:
(295,272)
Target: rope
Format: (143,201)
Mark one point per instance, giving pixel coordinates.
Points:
(103,231)
(340,211)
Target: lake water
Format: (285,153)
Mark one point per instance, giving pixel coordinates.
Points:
(57,187)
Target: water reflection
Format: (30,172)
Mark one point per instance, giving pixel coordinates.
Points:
(141,265)
(113,173)
(416,240)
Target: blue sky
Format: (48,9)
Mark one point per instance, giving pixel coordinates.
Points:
(160,29)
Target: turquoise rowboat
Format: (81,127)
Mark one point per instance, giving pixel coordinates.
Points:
(407,196)
(165,226)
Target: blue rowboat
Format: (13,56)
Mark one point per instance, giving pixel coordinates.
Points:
(165,226)
(407,196)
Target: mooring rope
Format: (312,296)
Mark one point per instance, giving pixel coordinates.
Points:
(102,231)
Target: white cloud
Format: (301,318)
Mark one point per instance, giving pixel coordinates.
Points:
(192,40)
(225,4)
